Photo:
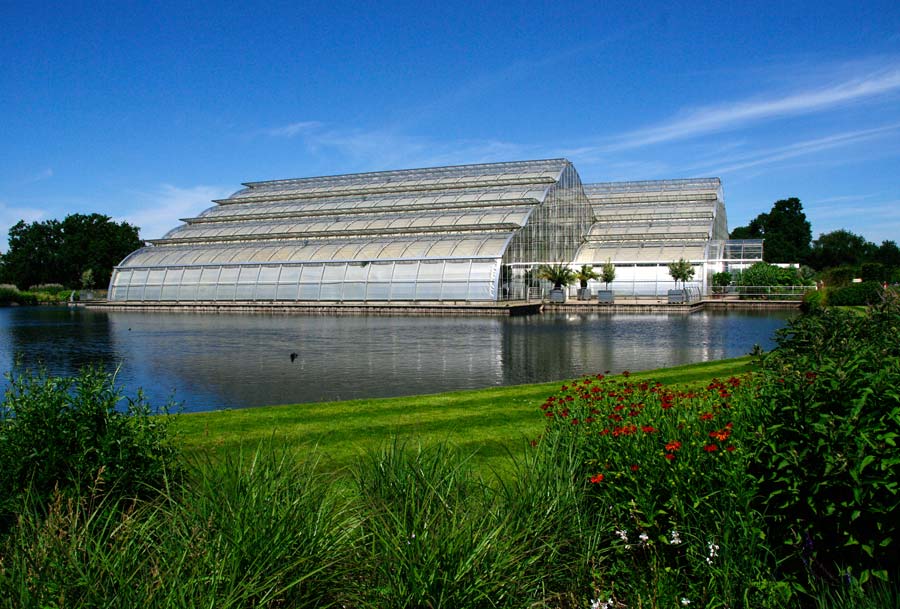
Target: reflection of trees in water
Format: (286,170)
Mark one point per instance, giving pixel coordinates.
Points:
(59,339)
(233,360)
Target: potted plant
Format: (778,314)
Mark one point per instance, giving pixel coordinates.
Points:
(560,276)
(720,282)
(583,276)
(607,276)
(682,270)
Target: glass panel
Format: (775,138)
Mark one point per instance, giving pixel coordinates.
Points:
(312,273)
(290,274)
(334,272)
(206,291)
(428,291)
(481,291)
(286,291)
(403,291)
(229,274)
(122,278)
(225,291)
(309,291)
(120,292)
(190,276)
(187,292)
(269,274)
(151,292)
(482,271)
(265,291)
(156,276)
(354,291)
(356,272)
(135,292)
(378,291)
(173,276)
(380,271)
(405,271)
(248,274)
(430,271)
(244,291)
(169,292)
(455,291)
(456,271)
(330,291)
(209,275)
(139,277)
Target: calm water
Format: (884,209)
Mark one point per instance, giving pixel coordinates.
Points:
(210,361)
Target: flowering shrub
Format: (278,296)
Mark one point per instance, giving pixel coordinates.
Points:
(671,468)
(827,465)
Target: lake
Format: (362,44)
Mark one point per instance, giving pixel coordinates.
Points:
(213,361)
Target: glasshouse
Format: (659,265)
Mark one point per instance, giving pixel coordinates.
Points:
(465,233)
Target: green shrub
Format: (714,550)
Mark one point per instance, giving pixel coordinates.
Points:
(50,288)
(814,300)
(826,461)
(856,294)
(69,434)
(10,295)
(839,276)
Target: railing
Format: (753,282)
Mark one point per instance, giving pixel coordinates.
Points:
(760,292)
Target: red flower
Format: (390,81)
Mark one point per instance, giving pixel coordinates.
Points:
(597,479)
(706,416)
(635,467)
(549,415)
(648,428)
(626,374)
(589,420)
(564,388)
(720,435)
(574,421)
(730,448)
(710,448)
(673,446)
(670,456)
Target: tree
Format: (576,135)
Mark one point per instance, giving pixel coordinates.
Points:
(888,254)
(558,274)
(681,271)
(840,248)
(61,252)
(786,231)
(608,273)
(585,274)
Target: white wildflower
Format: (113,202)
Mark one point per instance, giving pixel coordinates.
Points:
(623,535)
(685,601)
(675,537)
(643,537)
(713,552)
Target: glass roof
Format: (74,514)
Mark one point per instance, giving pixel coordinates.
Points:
(659,252)
(436,178)
(355,224)
(482,197)
(490,245)
(690,184)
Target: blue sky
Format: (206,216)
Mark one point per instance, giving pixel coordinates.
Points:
(147,111)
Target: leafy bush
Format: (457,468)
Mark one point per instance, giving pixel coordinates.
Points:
(826,462)
(69,434)
(10,295)
(839,276)
(856,294)
(51,288)
(814,300)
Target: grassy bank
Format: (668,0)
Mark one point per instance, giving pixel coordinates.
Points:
(487,421)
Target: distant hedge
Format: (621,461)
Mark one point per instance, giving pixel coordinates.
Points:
(856,294)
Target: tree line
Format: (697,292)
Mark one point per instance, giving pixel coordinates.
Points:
(788,239)
(79,251)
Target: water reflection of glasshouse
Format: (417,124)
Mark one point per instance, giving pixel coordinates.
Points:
(463,233)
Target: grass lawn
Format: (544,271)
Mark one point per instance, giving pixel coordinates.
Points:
(487,421)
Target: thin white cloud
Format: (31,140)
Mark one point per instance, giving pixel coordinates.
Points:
(160,210)
(291,130)
(734,115)
(44,174)
(798,149)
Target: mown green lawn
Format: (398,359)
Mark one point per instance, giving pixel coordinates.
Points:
(489,422)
